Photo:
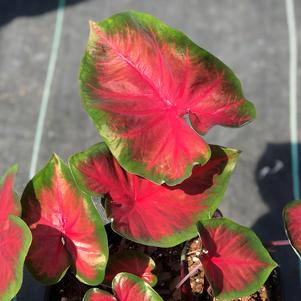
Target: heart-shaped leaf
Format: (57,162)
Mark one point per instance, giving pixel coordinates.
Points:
(132,262)
(235,262)
(148,213)
(15,239)
(140,82)
(126,287)
(66,228)
(292,224)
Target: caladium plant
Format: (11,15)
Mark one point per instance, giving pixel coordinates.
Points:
(15,238)
(141,81)
(152,93)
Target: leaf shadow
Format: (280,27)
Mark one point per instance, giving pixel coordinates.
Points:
(11,9)
(273,176)
(204,175)
(55,242)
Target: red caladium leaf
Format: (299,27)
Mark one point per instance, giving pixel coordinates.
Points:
(132,262)
(15,239)
(126,287)
(66,228)
(141,80)
(235,262)
(292,224)
(151,214)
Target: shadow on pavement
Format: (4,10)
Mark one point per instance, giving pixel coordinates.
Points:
(274,180)
(10,9)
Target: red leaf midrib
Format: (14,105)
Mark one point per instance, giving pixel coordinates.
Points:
(59,201)
(228,261)
(123,56)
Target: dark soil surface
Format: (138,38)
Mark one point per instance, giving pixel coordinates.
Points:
(167,270)
(168,267)
(68,289)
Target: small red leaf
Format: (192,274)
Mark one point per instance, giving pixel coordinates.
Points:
(148,213)
(139,94)
(132,262)
(15,239)
(128,287)
(235,262)
(66,228)
(292,224)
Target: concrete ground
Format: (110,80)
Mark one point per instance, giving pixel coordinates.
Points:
(250,36)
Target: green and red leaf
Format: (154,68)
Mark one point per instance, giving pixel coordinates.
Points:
(132,262)
(126,287)
(151,214)
(235,262)
(15,239)
(66,228)
(292,224)
(141,80)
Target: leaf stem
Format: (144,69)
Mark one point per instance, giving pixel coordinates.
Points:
(190,274)
(277,243)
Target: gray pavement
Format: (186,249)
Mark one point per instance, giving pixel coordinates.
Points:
(250,36)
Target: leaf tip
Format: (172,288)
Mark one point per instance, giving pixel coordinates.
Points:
(248,109)
(55,158)
(92,24)
(13,169)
